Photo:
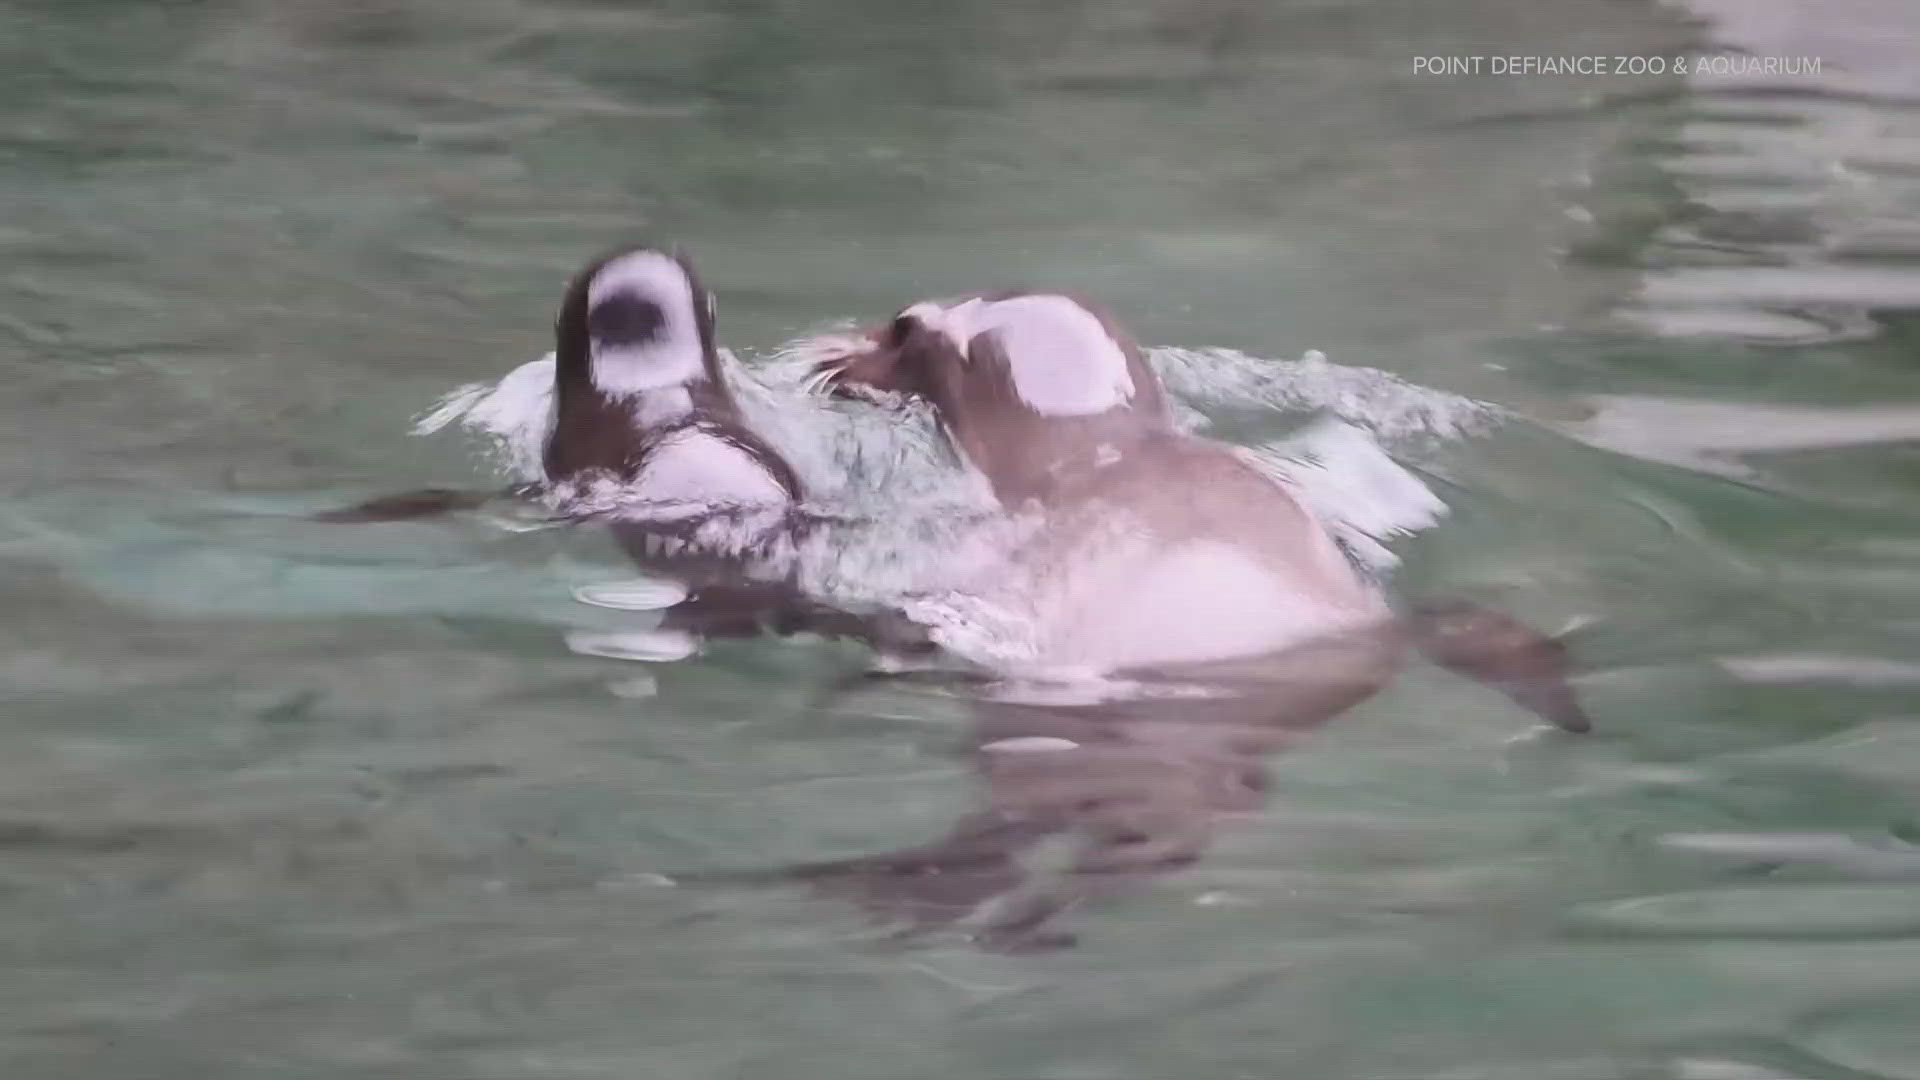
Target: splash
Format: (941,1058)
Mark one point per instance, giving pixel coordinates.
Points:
(859,458)
(847,454)
(894,520)
(1344,478)
(513,415)
(1376,401)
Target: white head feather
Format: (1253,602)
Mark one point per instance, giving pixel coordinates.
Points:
(1062,359)
(673,355)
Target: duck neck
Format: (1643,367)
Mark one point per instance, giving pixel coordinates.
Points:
(595,431)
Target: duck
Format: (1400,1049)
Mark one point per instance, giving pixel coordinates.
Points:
(1158,547)
(639,396)
(647,437)
(1198,614)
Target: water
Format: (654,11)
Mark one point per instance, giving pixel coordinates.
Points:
(281,800)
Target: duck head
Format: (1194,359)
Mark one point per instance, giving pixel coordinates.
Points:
(1031,388)
(633,352)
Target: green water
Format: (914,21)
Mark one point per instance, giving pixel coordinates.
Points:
(282,801)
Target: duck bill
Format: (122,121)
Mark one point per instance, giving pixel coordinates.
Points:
(861,366)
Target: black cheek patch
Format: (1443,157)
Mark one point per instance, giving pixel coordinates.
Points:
(625,320)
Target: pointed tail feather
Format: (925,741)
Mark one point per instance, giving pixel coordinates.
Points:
(1499,650)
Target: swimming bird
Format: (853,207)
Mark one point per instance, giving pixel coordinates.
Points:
(1172,616)
(647,437)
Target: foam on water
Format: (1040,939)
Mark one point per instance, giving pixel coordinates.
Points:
(514,414)
(849,454)
(634,594)
(900,522)
(894,520)
(846,453)
(647,646)
(1377,401)
(1347,481)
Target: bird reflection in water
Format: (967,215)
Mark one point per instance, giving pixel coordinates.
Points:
(1163,615)
(1218,618)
